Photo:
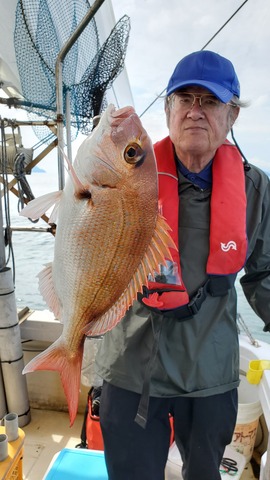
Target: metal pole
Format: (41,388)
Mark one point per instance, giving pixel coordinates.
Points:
(68,127)
(11,353)
(59,85)
(2,239)
(3,405)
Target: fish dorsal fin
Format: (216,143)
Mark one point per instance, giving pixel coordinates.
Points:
(47,290)
(40,205)
(155,255)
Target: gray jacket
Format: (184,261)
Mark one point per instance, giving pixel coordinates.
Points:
(198,356)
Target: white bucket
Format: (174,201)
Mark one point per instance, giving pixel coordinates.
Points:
(174,464)
(249,411)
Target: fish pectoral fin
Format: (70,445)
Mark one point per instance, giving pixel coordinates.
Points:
(108,320)
(156,254)
(47,290)
(111,317)
(40,205)
(57,358)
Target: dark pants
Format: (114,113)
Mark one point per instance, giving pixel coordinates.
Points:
(203,427)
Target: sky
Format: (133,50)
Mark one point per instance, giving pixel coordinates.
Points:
(164,32)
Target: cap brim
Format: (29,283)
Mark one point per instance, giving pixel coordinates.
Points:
(221,93)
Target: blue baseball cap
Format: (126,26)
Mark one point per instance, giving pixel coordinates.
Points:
(209,70)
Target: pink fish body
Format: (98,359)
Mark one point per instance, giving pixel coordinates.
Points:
(109,238)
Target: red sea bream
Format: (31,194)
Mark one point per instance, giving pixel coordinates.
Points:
(109,238)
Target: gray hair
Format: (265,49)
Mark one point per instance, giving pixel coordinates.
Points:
(239,103)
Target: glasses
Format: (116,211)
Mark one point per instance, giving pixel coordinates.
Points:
(207,102)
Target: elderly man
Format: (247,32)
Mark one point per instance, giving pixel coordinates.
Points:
(176,350)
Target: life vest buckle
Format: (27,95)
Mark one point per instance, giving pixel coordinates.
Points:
(195,304)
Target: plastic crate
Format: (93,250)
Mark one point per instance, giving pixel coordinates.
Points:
(77,464)
(12,467)
(16,469)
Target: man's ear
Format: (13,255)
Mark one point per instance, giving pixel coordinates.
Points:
(233,115)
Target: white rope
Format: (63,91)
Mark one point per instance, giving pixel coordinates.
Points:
(241,323)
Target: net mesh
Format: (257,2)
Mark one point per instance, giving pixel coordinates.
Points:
(42,28)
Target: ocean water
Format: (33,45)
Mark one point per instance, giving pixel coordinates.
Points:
(33,250)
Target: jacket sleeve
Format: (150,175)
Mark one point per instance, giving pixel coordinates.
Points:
(256,281)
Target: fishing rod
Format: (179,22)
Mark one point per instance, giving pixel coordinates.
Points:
(209,41)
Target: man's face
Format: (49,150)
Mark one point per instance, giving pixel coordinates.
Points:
(198,130)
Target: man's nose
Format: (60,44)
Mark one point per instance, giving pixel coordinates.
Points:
(196,109)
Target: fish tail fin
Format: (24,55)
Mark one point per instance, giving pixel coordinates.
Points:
(56,358)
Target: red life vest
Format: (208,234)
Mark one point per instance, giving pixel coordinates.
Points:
(228,241)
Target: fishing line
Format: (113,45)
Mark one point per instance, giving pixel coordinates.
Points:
(224,25)
(246,164)
(209,41)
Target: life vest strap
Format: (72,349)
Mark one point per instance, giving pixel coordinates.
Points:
(220,284)
(215,286)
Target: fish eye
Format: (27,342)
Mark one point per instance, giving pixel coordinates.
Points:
(133,153)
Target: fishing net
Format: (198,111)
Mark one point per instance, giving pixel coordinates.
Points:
(42,28)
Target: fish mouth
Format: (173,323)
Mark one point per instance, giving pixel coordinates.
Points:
(126,129)
(117,116)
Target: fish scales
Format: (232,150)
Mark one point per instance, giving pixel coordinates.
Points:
(94,251)
(109,238)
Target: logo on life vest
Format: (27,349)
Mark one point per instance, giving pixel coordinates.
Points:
(231,245)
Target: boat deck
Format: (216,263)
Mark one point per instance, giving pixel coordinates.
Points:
(41,445)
